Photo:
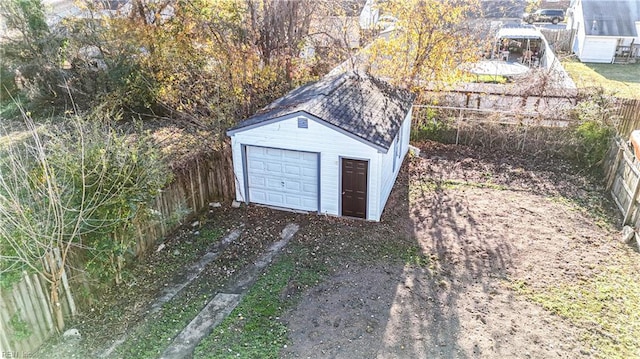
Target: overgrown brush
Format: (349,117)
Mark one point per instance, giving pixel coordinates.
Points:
(586,140)
(81,186)
(596,126)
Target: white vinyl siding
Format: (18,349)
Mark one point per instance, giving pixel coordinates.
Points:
(329,143)
(389,171)
(591,48)
(396,150)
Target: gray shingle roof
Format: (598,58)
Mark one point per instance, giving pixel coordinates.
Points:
(359,104)
(611,17)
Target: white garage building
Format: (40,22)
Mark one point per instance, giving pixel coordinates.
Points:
(333,147)
(605,30)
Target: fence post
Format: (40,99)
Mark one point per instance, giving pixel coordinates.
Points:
(613,169)
(524,139)
(458,127)
(632,201)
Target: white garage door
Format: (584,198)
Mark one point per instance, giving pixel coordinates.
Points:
(598,50)
(283,178)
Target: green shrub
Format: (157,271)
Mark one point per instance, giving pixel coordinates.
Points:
(19,328)
(596,126)
(431,124)
(7,84)
(122,174)
(593,140)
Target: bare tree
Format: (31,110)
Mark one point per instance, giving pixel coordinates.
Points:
(279,28)
(33,215)
(62,189)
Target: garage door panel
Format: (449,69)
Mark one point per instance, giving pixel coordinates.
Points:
(293,186)
(258,181)
(293,155)
(293,170)
(299,202)
(308,187)
(309,157)
(282,178)
(271,152)
(275,197)
(272,183)
(308,202)
(258,196)
(274,167)
(293,201)
(255,164)
(310,172)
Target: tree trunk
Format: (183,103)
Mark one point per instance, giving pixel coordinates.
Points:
(119,266)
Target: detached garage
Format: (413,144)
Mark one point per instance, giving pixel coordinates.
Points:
(333,147)
(605,30)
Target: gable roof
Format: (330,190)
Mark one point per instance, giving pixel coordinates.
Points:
(611,17)
(363,106)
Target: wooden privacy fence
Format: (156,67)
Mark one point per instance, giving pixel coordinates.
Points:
(26,316)
(623,180)
(208,177)
(629,112)
(558,39)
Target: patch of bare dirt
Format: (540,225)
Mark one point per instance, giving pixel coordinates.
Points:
(484,221)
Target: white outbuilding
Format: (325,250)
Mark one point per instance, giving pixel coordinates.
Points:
(333,147)
(605,31)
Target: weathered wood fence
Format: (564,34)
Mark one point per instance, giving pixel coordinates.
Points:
(208,177)
(629,112)
(26,316)
(622,167)
(559,40)
(623,180)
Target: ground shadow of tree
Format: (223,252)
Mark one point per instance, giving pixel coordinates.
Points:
(433,279)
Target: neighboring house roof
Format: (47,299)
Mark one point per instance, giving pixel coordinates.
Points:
(611,17)
(358,104)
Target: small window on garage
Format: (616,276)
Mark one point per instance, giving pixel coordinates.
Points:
(302,123)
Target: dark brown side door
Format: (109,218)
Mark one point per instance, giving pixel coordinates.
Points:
(354,188)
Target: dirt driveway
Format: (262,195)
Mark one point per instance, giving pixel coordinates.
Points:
(484,223)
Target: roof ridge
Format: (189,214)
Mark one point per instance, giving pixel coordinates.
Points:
(363,105)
